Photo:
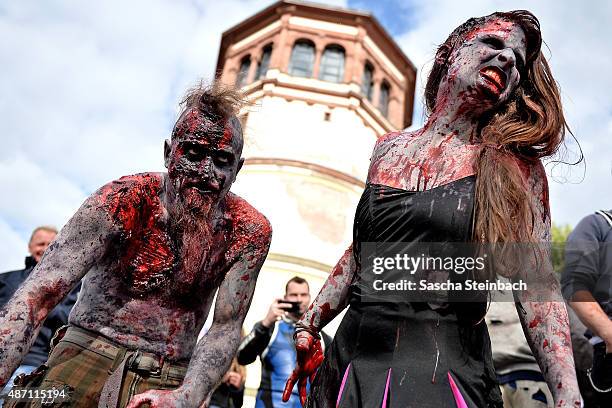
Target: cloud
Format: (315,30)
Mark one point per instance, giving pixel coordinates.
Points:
(89,90)
(89,93)
(13,248)
(32,196)
(579,54)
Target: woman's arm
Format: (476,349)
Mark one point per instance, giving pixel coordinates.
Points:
(333,297)
(330,301)
(546,323)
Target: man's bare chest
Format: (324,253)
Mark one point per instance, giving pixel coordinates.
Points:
(154,258)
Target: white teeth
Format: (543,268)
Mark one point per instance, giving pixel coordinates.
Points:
(494,76)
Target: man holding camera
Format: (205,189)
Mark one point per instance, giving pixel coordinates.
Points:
(272,340)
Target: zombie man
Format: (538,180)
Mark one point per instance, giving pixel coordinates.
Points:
(152,249)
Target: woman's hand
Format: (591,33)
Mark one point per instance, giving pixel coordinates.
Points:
(309,358)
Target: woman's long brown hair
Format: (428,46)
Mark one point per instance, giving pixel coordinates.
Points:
(530,126)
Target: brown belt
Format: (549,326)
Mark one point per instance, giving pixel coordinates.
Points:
(123,359)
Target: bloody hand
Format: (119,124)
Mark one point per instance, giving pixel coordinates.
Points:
(309,358)
(159,399)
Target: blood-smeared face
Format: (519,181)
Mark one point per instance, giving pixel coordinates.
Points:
(486,70)
(203,158)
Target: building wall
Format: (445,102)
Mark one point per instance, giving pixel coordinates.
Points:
(308,141)
(359,45)
(310,207)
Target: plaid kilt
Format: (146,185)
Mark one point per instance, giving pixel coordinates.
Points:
(81,363)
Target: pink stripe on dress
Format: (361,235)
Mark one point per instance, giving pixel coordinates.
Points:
(384,404)
(343,384)
(456,393)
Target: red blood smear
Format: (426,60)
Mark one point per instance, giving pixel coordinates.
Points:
(535,322)
(493,26)
(325,312)
(43,301)
(228,136)
(251,231)
(192,121)
(147,250)
(339,269)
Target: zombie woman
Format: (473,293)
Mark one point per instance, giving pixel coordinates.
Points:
(471,174)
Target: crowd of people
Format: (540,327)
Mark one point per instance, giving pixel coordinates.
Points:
(148,253)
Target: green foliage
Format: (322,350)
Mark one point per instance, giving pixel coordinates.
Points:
(559,235)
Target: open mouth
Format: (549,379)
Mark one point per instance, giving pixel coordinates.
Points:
(495,78)
(201,188)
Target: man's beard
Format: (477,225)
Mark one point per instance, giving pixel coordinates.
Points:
(196,204)
(192,220)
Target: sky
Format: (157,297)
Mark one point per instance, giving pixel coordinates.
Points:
(89,91)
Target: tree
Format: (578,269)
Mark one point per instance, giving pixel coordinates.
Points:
(559,235)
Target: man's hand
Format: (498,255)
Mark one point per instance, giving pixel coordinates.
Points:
(606,336)
(275,312)
(593,316)
(309,358)
(234,379)
(160,399)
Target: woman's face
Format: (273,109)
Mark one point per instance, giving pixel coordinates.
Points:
(486,69)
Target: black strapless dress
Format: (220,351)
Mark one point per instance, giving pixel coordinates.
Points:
(409,354)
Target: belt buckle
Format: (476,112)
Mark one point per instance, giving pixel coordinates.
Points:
(146,363)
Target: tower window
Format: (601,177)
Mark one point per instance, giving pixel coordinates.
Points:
(367,81)
(264,62)
(243,73)
(383,98)
(332,64)
(302,59)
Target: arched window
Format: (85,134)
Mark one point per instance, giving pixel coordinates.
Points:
(383,98)
(264,62)
(332,64)
(243,73)
(367,81)
(302,59)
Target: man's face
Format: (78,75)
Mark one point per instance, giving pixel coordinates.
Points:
(39,243)
(298,292)
(203,158)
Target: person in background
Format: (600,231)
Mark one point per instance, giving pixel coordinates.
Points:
(521,381)
(9,282)
(272,340)
(587,286)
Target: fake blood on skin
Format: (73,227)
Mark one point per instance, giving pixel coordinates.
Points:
(492,26)
(340,268)
(148,254)
(251,230)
